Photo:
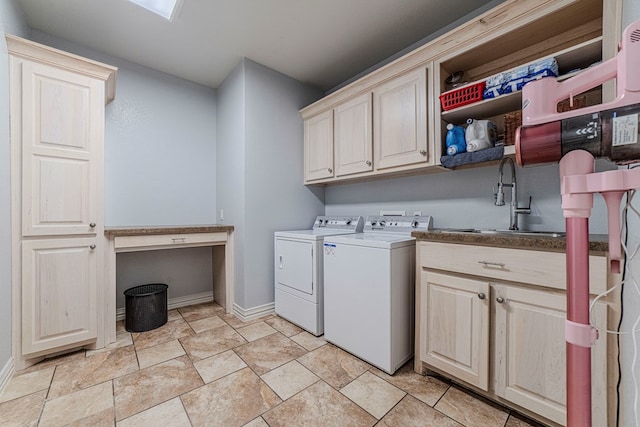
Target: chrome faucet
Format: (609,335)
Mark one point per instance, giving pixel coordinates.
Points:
(499,195)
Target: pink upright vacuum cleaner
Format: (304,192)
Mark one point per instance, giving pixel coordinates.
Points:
(575,138)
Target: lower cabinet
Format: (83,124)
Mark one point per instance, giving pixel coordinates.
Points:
(59,289)
(504,340)
(455,318)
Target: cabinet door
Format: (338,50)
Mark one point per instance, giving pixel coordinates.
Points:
(455,320)
(62,126)
(59,288)
(531,349)
(400,120)
(353,141)
(318,146)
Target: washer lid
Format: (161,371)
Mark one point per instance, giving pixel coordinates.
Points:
(372,240)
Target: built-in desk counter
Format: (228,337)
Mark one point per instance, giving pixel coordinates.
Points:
(147,238)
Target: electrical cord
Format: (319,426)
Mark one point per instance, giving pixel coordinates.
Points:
(628,277)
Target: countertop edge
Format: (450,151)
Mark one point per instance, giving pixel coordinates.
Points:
(144,230)
(597,243)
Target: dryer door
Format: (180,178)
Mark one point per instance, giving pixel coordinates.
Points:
(294,264)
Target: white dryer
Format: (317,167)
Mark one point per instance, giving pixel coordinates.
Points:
(299,270)
(369,290)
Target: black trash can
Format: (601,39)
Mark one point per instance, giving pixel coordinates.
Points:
(146,307)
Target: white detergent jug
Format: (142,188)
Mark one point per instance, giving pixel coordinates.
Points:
(480,134)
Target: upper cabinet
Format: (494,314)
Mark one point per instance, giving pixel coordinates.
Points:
(400,120)
(318,147)
(353,142)
(59,149)
(391,121)
(380,131)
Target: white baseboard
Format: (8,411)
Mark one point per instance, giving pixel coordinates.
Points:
(176,302)
(6,373)
(254,312)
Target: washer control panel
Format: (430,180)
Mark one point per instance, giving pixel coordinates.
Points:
(354,223)
(398,224)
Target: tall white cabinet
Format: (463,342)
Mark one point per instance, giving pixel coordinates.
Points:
(57,149)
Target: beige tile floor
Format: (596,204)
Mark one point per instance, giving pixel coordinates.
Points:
(207,368)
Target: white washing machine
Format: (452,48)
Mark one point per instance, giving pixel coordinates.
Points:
(369,290)
(299,270)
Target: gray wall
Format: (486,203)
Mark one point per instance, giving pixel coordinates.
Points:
(11,21)
(260,172)
(160,152)
(230,167)
(630,372)
(464,198)
(275,197)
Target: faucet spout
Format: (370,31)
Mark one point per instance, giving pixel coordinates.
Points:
(514,210)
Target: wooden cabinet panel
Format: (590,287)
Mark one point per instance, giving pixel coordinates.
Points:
(525,344)
(59,288)
(60,121)
(514,265)
(456,321)
(57,145)
(353,142)
(530,352)
(318,147)
(400,120)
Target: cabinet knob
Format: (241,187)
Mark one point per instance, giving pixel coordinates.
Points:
(481,295)
(92,225)
(92,247)
(423,152)
(329,170)
(499,300)
(368,162)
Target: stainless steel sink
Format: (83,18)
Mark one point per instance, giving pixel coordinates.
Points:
(506,232)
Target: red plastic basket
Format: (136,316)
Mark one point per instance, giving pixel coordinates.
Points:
(462,96)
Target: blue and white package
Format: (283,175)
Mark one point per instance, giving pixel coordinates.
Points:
(517,78)
(493,86)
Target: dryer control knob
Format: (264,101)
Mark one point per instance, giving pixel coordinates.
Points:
(348,222)
(374,222)
(414,223)
(383,222)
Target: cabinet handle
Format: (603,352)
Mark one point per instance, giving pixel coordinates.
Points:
(423,152)
(92,225)
(481,295)
(329,170)
(499,300)
(368,162)
(92,246)
(178,239)
(491,264)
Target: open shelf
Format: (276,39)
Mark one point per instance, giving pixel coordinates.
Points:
(570,62)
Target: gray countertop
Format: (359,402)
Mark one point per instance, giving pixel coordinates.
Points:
(597,242)
(142,230)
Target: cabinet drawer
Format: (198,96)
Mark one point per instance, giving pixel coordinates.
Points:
(514,265)
(129,243)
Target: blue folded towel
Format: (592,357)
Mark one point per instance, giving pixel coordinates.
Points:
(492,153)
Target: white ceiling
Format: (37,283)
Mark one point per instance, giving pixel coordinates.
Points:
(320,42)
